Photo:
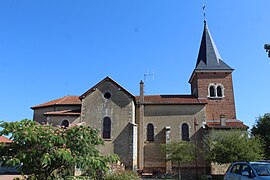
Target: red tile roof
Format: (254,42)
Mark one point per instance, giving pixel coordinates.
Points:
(5,140)
(66,100)
(172,99)
(64,113)
(236,124)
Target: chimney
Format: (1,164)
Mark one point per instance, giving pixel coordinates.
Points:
(141,92)
(141,128)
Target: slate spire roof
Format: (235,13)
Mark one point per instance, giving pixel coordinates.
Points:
(209,57)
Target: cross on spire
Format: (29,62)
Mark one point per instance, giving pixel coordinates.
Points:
(204,11)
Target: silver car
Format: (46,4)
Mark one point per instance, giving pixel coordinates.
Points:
(248,171)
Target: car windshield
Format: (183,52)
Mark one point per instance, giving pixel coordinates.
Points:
(262,169)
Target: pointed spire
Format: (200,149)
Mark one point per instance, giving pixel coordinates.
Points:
(209,57)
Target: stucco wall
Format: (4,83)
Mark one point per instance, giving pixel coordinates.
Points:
(39,112)
(57,120)
(172,116)
(120,109)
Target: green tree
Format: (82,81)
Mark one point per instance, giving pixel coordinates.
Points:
(179,152)
(226,146)
(122,175)
(46,152)
(261,128)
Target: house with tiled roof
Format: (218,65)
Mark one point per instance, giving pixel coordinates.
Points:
(134,126)
(5,140)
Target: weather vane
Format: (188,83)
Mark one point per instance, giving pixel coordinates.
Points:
(203,12)
(267,49)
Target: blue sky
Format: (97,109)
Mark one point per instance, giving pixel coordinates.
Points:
(49,49)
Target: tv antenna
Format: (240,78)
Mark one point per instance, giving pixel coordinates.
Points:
(267,49)
(147,75)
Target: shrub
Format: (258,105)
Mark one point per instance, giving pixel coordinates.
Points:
(122,175)
(48,152)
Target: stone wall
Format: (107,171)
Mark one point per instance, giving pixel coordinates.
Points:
(173,116)
(120,108)
(219,169)
(57,120)
(39,112)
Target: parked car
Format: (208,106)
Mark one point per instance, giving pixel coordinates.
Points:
(248,171)
(9,169)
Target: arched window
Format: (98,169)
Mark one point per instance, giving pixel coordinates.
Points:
(212,91)
(219,91)
(106,128)
(185,132)
(216,91)
(65,123)
(150,132)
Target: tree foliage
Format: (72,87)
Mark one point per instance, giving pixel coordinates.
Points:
(182,151)
(179,152)
(261,128)
(232,145)
(122,175)
(46,151)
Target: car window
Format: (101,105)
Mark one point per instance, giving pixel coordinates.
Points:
(247,168)
(236,169)
(262,169)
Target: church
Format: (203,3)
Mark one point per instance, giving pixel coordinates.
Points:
(134,126)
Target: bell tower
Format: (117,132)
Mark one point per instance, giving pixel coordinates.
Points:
(212,80)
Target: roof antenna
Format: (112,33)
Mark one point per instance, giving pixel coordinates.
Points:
(267,49)
(148,75)
(204,12)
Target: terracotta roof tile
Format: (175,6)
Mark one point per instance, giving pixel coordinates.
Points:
(229,125)
(65,112)
(172,99)
(66,100)
(5,140)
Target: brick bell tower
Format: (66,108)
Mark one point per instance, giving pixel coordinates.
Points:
(212,80)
